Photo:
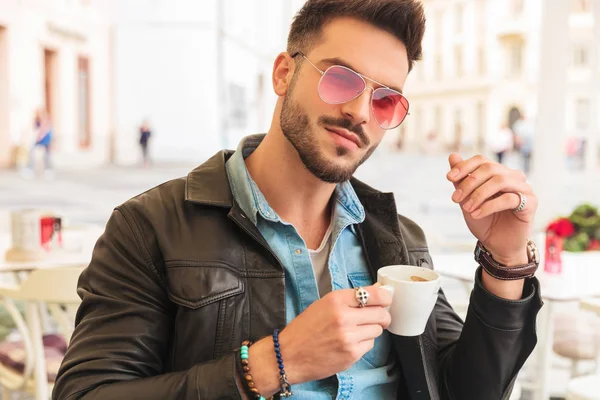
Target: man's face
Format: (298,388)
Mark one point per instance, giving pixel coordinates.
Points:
(310,124)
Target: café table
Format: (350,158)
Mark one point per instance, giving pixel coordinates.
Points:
(579,279)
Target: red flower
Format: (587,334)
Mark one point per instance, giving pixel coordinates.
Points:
(593,245)
(562,227)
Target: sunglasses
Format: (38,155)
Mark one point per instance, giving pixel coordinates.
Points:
(339,84)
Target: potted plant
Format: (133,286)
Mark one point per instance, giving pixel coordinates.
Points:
(576,233)
(580,231)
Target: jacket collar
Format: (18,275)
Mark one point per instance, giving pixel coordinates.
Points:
(208,184)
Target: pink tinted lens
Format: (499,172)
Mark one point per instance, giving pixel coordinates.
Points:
(339,85)
(389,107)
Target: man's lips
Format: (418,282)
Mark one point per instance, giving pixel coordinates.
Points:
(345,134)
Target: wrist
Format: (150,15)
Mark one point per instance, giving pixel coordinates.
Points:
(264,367)
(512,261)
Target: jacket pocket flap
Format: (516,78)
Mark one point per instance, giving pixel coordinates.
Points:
(198,286)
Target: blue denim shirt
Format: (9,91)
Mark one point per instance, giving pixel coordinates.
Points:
(372,377)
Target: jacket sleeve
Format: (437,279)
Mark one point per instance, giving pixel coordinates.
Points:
(498,335)
(124,328)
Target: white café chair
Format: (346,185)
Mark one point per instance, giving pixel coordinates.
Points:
(56,288)
(587,387)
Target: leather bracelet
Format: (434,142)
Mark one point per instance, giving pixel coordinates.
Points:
(500,271)
(249,385)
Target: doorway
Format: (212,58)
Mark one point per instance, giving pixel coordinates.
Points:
(50,84)
(83,103)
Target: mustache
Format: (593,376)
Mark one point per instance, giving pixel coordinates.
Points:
(345,124)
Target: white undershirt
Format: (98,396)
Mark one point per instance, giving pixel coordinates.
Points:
(320,262)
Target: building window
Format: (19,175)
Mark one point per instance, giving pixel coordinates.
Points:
(458,60)
(516,7)
(437,116)
(83,102)
(481,122)
(419,70)
(459,18)
(458,130)
(582,114)
(439,67)
(580,6)
(481,64)
(581,56)
(438,24)
(515,61)
(418,122)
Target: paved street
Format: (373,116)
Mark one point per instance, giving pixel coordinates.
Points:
(87,196)
(418,182)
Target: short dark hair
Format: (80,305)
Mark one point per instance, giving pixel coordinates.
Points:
(404,19)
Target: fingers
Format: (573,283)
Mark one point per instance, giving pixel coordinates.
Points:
(462,168)
(367,332)
(476,193)
(372,316)
(377,296)
(479,181)
(365,346)
(507,201)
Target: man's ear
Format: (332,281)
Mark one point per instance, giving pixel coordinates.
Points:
(283,72)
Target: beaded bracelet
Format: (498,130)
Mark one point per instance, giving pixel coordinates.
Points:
(286,388)
(248,380)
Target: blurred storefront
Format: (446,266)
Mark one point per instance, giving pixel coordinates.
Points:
(481,68)
(55,55)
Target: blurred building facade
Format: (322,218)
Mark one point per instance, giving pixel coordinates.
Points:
(54,55)
(481,69)
(199,72)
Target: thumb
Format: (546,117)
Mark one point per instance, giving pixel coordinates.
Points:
(454,159)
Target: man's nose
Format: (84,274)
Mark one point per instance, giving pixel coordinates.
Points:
(358,110)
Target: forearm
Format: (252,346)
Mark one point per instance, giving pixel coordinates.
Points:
(496,339)
(210,380)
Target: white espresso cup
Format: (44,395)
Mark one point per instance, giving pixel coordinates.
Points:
(413,299)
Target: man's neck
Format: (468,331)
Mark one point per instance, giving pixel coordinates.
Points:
(296,195)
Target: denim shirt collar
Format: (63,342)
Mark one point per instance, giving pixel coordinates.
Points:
(348,207)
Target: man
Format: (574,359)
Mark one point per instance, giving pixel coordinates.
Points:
(278,236)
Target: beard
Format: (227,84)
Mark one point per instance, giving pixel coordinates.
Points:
(297,129)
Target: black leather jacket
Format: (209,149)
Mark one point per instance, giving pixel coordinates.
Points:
(181,277)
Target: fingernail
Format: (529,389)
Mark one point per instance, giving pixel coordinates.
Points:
(468,205)
(454,173)
(476,213)
(457,195)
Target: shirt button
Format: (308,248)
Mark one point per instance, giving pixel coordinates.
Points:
(298,252)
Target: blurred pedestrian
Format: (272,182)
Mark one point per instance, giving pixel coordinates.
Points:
(524,130)
(145,134)
(43,139)
(501,142)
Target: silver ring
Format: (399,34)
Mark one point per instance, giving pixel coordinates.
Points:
(522,204)
(362,296)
